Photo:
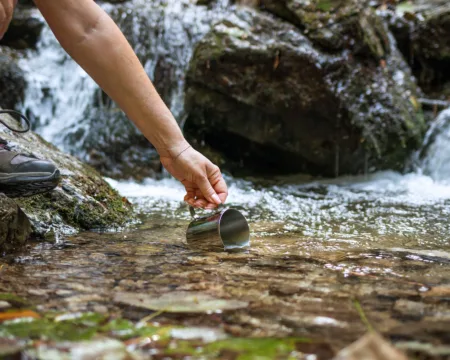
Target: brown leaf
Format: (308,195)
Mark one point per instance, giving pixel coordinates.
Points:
(438,291)
(276,62)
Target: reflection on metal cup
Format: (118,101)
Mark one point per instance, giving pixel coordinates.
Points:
(226,230)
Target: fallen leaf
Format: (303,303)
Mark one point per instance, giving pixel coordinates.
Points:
(438,291)
(18,314)
(179,302)
(276,62)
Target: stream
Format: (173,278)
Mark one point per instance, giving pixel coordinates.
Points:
(329,260)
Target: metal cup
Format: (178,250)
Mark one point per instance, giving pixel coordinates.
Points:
(225,230)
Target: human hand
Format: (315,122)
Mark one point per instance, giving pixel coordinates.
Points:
(6,13)
(205,186)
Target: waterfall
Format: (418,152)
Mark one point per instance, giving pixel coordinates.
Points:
(435,153)
(67,107)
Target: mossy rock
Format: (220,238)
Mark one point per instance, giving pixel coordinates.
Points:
(15,228)
(82,201)
(334,25)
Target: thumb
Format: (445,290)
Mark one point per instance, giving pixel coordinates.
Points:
(208,191)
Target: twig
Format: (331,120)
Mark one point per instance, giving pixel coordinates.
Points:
(434,102)
(363,316)
(151,316)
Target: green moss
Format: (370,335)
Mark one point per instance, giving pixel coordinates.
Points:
(325,5)
(108,209)
(13,299)
(79,327)
(83,327)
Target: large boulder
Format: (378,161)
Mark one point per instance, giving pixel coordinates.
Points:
(83,200)
(15,228)
(269,97)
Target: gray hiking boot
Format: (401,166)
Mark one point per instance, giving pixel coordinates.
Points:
(24,175)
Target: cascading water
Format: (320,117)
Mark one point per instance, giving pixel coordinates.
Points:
(69,110)
(410,208)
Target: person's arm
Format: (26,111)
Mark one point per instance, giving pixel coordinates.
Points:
(95,42)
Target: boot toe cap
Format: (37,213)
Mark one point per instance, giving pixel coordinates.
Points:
(37,166)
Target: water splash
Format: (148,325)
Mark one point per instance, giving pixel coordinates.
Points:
(435,153)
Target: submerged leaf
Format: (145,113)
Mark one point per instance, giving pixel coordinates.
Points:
(179,302)
(18,314)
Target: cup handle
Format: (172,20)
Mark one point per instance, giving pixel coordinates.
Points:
(192,212)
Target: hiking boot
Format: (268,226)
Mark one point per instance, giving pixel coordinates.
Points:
(24,175)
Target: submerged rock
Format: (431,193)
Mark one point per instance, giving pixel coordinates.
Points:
(268,97)
(83,200)
(15,228)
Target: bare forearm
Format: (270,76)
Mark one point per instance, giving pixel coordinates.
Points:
(93,40)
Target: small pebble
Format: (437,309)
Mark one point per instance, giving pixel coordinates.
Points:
(4,305)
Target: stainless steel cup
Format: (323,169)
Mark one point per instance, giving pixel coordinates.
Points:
(225,230)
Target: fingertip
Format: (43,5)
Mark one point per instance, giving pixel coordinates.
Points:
(216,199)
(223,197)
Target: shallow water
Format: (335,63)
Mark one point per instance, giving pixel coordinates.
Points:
(321,251)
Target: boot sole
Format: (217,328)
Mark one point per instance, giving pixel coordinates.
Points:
(28,184)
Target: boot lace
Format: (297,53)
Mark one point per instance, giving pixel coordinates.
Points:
(3,143)
(16,113)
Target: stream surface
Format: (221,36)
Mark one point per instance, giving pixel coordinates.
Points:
(328,261)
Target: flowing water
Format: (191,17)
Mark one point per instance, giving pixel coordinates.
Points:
(329,258)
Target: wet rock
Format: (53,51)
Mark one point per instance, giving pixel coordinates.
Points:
(24,29)
(10,348)
(106,144)
(335,25)
(431,47)
(12,82)
(90,204)
(179,302)
(268,97)
(15,228)
(4,305)
(409,308)
(422,30)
